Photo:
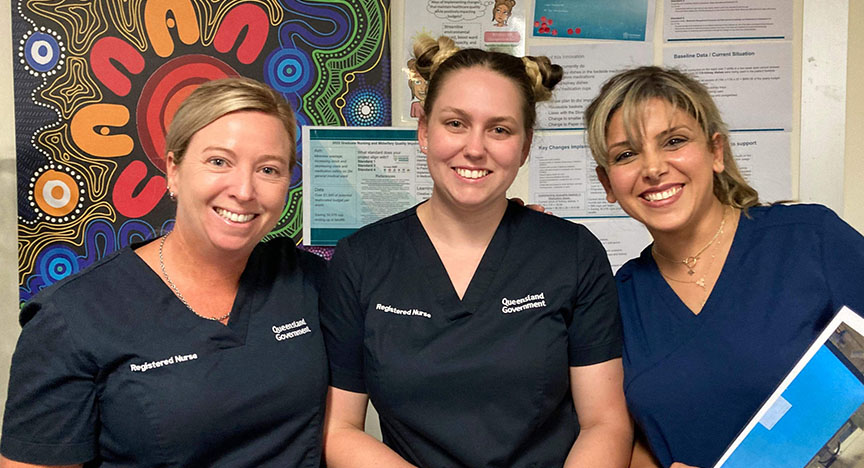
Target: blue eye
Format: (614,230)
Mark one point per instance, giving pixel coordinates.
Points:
(270,170)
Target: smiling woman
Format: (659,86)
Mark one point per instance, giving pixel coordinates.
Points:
(476,326)
(724,280)
(162,354)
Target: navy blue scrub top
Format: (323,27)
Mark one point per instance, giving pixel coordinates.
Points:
(694,381)
(482,381)
(113,369)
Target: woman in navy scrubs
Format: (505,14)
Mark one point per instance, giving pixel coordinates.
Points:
(199,348)
(731,293)
(480,329)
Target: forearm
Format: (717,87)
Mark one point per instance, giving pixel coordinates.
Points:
(602,445)
(7,463)
(350,447)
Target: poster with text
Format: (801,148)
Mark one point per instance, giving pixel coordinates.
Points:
(691,20)
(750,82)
(356,176)
(586,68)
(484,24)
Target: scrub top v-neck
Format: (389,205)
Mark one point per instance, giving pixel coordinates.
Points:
(482,381)
(113,369)
(789,270)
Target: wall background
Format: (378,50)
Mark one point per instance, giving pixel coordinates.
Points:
(853,163)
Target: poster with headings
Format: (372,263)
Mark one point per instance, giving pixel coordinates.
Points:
(484,24)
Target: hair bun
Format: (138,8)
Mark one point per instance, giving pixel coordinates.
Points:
(543,74)
(431,53)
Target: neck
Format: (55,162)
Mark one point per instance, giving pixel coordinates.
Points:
(472,226)
(688,241)
(190,258)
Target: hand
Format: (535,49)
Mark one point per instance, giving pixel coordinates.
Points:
(681,465)
(531,206)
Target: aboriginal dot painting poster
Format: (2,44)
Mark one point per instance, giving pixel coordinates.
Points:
(97,83)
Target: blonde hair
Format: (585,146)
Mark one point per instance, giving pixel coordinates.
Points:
(216,98)
(535,77)
(628,91)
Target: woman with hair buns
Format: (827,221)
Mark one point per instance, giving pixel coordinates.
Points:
(481,330)
(731,293)
(199,348)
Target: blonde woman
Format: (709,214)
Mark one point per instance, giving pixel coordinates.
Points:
(730,293)
(481,330)
(198,348)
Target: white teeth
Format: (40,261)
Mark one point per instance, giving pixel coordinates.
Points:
(472,174)
(657,196)
(235,217)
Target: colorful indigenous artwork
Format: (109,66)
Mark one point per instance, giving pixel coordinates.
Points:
(97,83)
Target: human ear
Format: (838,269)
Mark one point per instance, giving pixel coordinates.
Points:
(603,176)
(171,169)
(717,144)
(422,133)
(526,147)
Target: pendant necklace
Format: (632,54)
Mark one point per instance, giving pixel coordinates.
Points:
(690,262)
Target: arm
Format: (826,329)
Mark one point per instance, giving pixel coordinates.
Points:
(606,435)
(7,463)
(642,456)
(345,442)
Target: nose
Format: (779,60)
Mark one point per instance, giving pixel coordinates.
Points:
(475,144)
(654,164)
(243,184)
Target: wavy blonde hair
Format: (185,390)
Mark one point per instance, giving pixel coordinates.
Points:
(628,91)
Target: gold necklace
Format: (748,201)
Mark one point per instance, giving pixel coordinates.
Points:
(690,262)
(174,286)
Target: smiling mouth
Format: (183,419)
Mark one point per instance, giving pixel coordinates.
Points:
(234,217)
(660,196)
(472,173)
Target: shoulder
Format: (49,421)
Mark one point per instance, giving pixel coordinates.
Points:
(542,226)
(282,257)
(374,234)
(77,288)
(635,267)
(783,215)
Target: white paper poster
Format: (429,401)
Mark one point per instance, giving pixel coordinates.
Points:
(751,83)
(688,20)
(586,68)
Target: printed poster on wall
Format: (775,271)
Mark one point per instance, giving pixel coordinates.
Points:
(699,20)
(483,24)
(626,20)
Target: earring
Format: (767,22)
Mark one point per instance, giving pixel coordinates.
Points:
(171,195)
(424,147)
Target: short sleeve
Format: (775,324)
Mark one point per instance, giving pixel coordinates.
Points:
(342,320)
(595,329)
(843,262)
(51,416)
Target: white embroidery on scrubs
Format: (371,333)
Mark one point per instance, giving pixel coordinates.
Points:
(290,330)
(394,310)
(144,367)
(531,301)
